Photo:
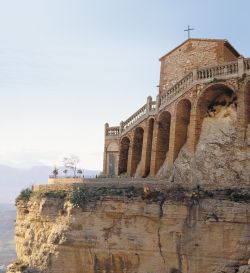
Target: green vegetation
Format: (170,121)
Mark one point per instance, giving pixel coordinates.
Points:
(24,195)
(81,196)
(51,194)
(238,195)
(84,195)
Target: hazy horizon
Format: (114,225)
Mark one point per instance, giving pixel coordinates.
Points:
(13,180)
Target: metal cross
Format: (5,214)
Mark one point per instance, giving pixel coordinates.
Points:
(188,30)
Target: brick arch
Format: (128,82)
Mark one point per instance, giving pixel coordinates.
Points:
(204,103)
(137,149)
(148,154)
(162,139)
(183,110)
(123,156)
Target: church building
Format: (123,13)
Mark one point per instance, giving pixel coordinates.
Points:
(196,78)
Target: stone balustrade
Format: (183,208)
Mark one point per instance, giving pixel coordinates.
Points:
(153,106)
(177,89)
(112,131)
(137,115)
(219,70)
(200,76)
(236,68)
(143,112)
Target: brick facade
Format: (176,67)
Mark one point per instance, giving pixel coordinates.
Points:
(194,53)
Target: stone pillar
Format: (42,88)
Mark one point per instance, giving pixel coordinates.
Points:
(116,163)
(105,171)
(241,68)
(106,126)
(192,135)
(242,119)
(195,75)
(149,104)
(158,100)
(153,153)
(195,124)
(121,127)
(130,156)
(144,151)
(173,135)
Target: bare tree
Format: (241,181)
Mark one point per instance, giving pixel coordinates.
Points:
(71,163)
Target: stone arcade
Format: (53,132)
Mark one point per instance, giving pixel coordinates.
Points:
(195,77)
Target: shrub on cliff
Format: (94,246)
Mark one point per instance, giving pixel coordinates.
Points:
(24,195)
(82,196)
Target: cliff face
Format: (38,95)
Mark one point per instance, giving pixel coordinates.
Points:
(160,233)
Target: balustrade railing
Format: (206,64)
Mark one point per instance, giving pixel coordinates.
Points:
(247,64)
(178,88)
(219,70)
(153,105)
(137,115)
(196,76)
(113,131)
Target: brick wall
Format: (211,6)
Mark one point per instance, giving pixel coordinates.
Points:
(194,53)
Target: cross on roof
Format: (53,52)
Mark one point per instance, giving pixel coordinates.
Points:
(188,30)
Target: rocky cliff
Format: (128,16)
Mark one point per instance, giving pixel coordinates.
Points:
(133,228)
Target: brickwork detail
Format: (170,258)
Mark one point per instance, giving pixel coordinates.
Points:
(194,53)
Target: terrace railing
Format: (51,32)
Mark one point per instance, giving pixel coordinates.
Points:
(178,88)
(221,71)
(218,71)
(135,117)
(204,75)
(146,110)
(112,131)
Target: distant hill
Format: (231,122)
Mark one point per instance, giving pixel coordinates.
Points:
(13,180)
(7,244)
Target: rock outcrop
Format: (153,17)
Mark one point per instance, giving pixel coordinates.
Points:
(133,229)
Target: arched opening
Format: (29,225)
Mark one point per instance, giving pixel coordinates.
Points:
(149,146)
(136,149)
(182,122)
(211,102)
(123,157)
(163,135)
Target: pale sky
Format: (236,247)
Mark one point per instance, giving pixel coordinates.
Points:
(67,67)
